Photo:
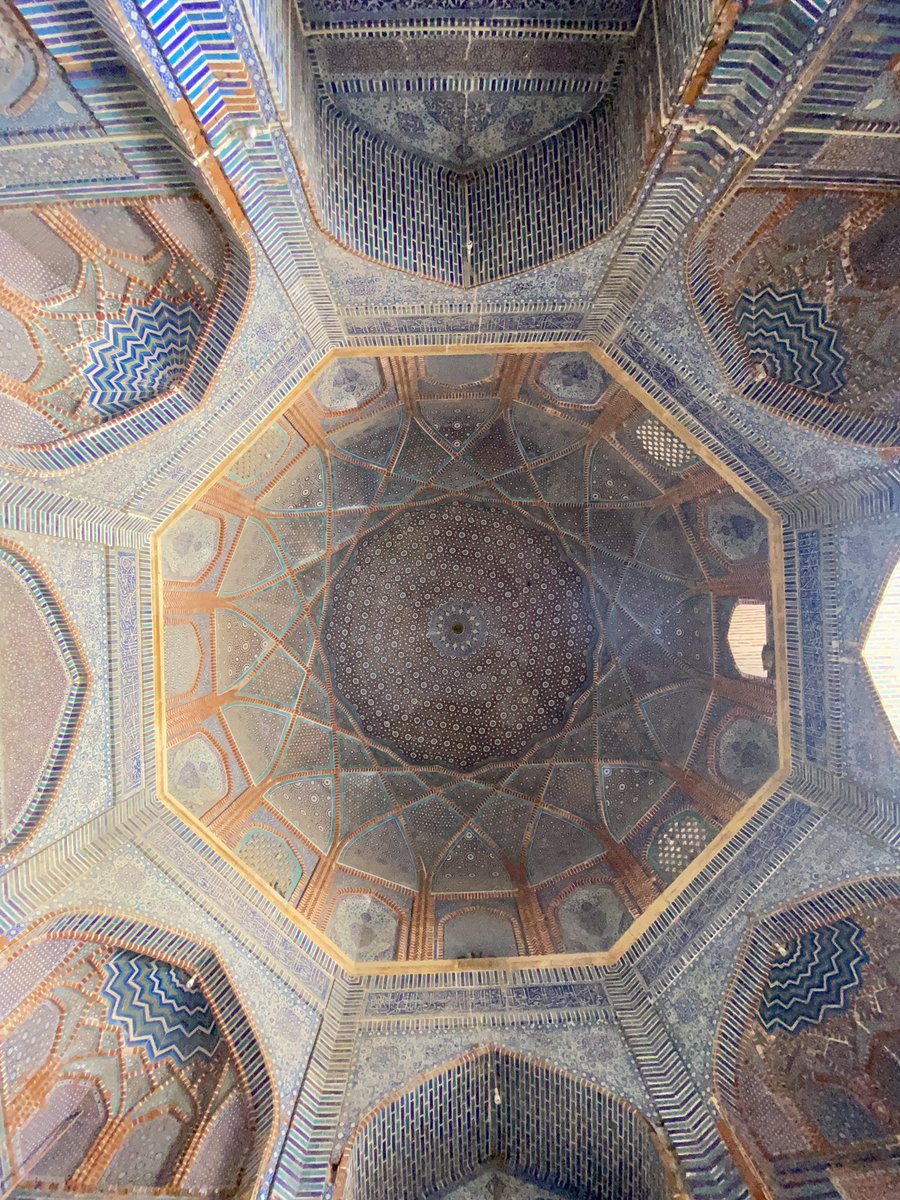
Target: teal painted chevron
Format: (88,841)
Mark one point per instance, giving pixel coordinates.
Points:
(815,976)
(793,339)
(159,1008)
(141,355)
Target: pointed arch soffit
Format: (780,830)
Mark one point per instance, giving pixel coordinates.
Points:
(329,778)
(48,722)
(123,288)
(286,114)
(98,379)
(806,975)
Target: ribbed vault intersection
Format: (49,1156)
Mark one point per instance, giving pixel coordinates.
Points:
(449,656)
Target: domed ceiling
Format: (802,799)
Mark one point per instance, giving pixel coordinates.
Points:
(467,656)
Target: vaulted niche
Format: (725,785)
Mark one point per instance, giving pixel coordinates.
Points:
(806,1061)
(121,1070)
(537,1128)
(461,151)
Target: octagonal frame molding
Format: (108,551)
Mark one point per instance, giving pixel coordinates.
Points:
(640,924)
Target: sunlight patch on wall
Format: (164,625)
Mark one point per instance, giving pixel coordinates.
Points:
(881,650)
(747,637)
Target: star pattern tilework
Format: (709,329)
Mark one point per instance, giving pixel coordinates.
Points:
(464,650)
(515,639)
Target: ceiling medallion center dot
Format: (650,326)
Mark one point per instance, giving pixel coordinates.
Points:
(460,634)
(457,629)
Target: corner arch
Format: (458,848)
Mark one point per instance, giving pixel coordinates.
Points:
(169,1009)
(81,383)
(618,1152)
(490,926)
(787,340)
(805,1055)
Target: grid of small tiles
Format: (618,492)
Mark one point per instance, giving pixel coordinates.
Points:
(408,212)
(681,843)
(812,646)
(662,444)
(549,1127)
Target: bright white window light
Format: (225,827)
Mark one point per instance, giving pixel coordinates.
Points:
(881,651)
(747,635)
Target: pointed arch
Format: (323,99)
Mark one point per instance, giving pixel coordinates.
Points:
(805,1054)
(45,725)
(615,1141)
(151,998)
(83,380)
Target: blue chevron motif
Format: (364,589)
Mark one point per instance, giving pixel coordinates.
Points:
(141,355)
(816,976)
(793,339)
(152,1003)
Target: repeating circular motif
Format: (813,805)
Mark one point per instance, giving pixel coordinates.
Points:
(460,633)
(457,629)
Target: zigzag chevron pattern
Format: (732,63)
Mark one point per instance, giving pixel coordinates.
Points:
(142,355)
(792,339)
(152,1003)
(817,975)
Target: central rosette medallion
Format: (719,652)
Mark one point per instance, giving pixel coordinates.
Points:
(460,633)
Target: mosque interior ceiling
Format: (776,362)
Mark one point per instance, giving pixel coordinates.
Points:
(469,655)
(450,580)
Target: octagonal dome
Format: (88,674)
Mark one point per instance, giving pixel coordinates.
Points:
(463,666)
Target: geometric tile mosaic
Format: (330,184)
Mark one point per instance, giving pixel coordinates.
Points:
(468,630)
(114,1073)
(156,1009)
(817,975)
